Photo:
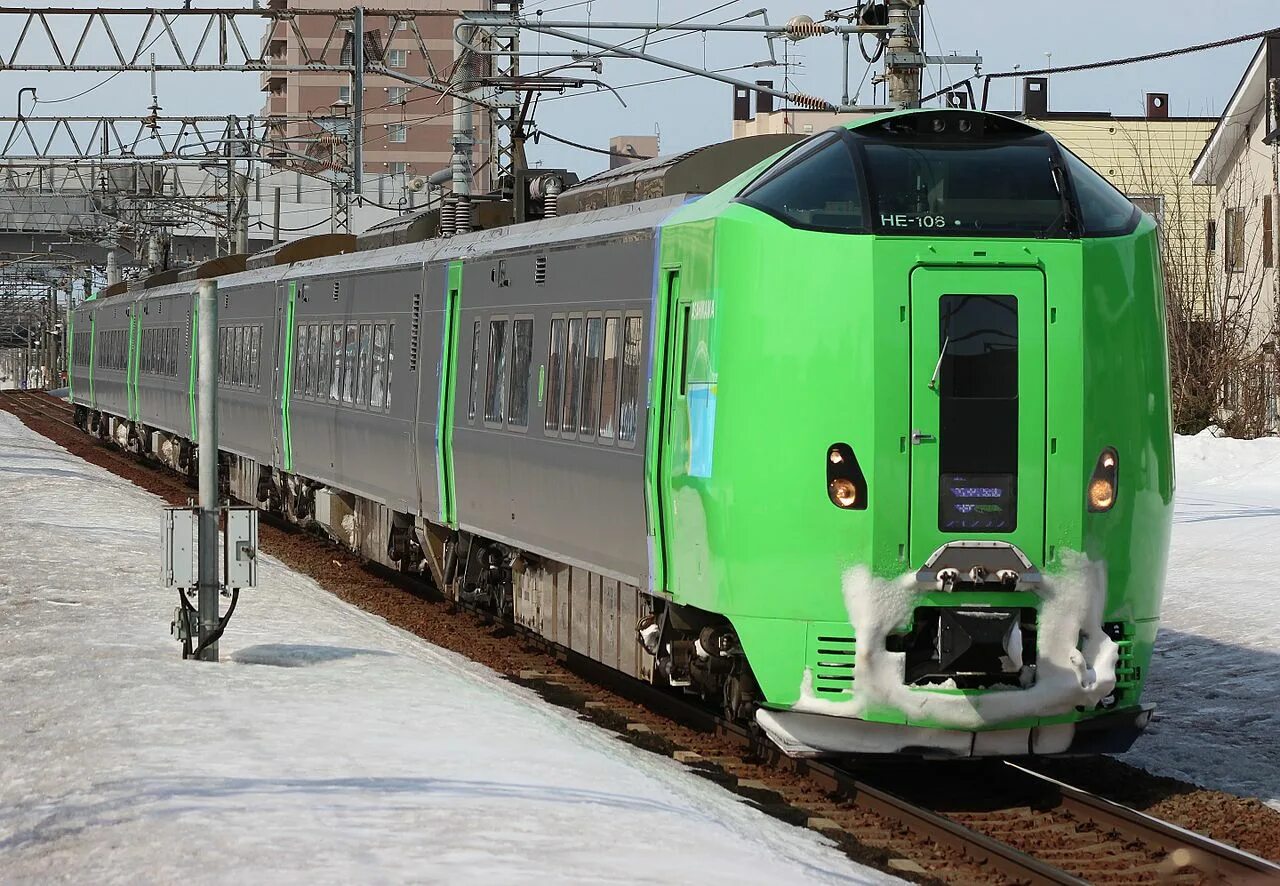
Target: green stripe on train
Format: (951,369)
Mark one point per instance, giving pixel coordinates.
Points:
(286,385)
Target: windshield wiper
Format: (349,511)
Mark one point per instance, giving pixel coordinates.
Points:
(1070,223)
(933,382)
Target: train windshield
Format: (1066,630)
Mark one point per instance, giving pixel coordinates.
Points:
(1010,188)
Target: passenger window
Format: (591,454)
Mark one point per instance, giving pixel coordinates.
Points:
(317,387)
(222,354)
(475,372)
(351,350)
(555,375)
(572,376)
(242,357)
(325,363)
(300,362)
(521,355)
(495,383)
(609,381)
(376,385)
(255,353)
(629,396)
(366,358)
(391,338)
(591,378)
(335,384)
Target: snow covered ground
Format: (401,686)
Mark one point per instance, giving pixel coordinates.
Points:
(329,747)
(1216,670)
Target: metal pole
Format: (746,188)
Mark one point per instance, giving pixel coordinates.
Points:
(275,219)
(207,431)
(357,104)
(464,83)
(241,245)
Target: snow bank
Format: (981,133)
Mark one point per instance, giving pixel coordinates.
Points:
(1217,660)
(1065,676)
(327,747)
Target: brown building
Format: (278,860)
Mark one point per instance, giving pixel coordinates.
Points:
(407,129)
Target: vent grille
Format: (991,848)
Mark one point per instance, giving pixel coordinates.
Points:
(414,330)
(832,664)
(337,287)
(540,270)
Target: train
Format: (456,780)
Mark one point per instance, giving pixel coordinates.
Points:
(862,437)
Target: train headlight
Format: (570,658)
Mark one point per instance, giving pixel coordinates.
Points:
(846,484)
(1104,482)
(843,492)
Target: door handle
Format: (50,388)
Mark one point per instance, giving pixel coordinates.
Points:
(917,437)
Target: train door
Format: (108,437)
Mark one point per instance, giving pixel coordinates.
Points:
(977,409)
(131,366)
(281,375)
(668,430)
(448,379)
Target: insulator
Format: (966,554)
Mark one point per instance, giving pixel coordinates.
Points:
(811,101)
(802,26)
(447,217)
(462,215)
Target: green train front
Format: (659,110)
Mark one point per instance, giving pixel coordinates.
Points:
(913,484)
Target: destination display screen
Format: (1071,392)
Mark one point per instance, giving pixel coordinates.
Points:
(977,503)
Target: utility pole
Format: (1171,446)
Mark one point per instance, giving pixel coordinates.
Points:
(207,433)
(356,127)
(904,56)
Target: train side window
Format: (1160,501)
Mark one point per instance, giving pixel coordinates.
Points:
(376,384)
(351,350)
(255,355)
(572,376)
(244,356)
(366,359)
(300,360)
(521,356)
(495,382)
(609,381)
(591,378)
(318,349)
(325,360)
(629,396)
(335,351)
(391,356)
(555,374)
(473,401)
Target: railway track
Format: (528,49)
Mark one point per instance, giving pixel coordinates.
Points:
(989,821)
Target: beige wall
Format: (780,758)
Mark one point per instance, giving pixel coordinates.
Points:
(1153,158)
(1246,185)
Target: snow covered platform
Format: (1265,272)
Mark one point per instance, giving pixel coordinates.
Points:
(328,746)
(1217,660)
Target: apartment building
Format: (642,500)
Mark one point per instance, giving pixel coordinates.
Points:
(407,129)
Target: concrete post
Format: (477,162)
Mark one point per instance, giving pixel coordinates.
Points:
(904,63)
(207,431)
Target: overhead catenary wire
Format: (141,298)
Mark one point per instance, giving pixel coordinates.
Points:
(542,133)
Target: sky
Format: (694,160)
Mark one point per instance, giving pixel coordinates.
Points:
(691,112)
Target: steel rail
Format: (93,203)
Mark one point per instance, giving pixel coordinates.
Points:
(1211,856)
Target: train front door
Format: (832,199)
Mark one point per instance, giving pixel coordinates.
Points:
(977,435)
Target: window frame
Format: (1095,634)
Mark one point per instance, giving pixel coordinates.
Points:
(555,376)
(499,378)
(641,397)
(572,346)
(516,320)
(589,435)
(1234,255)
(473,395)
(364,365)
